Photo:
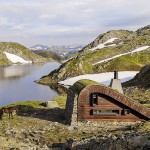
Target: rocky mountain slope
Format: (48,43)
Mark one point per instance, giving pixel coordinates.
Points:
(48,54)
(97,56)
(139,87)
(142,79)
(122,35)
(18,50)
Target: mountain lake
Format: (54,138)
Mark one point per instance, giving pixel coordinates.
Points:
(17,83)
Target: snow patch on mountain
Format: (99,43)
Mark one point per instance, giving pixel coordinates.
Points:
(101,77)
(134,51)
(100,46)
(39,47)
(15,59)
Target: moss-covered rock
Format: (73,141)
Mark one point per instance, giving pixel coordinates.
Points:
(81,84)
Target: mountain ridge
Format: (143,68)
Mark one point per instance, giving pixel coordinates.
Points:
(127,41)
(18,50)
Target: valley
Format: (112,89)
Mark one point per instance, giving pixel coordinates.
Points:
(37,126)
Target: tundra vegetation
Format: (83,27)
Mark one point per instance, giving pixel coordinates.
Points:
(36,126)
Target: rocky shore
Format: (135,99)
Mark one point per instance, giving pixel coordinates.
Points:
(42,128)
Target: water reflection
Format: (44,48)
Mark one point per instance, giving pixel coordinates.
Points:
(16,71)
(16,83)
(59,88)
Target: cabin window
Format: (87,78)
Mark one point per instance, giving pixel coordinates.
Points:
(94,99)
(105,112)
(125,111)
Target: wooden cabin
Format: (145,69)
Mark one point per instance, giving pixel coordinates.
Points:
(90,101)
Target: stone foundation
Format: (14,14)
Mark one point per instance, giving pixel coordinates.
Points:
(71,108)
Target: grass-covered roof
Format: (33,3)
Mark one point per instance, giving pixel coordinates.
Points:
(78,86)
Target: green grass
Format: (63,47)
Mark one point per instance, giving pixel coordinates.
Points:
(147,105)
(130,62)
(34,104)
(27,106)
(79,85)
(107,53)
(3,60)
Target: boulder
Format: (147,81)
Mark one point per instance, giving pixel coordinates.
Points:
(51,104)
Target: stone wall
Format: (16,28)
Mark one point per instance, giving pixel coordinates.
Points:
(105,124)
(134,141)
(71,108)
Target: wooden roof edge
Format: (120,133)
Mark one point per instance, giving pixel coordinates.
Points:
(136,106)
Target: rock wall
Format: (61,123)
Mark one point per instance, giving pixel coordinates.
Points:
(122,142)
(71,108)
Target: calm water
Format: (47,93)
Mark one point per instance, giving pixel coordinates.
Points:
(16,83)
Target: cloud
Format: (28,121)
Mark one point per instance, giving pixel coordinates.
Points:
(47,16)
(3,21)
(12,35)
(19,27)
(71,19)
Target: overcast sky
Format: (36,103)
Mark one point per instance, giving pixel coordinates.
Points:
(61,22)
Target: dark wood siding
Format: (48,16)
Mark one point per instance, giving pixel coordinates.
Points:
(106,108)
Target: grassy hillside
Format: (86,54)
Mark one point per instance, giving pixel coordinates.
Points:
(3,60)
(123,35)
(48,54)
(84,62)
(132,62)
(19,50)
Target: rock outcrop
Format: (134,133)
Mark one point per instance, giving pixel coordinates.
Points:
(139,87)
(142,79)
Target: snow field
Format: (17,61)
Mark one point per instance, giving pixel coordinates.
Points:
(15,59)
(134,51)
(102,77)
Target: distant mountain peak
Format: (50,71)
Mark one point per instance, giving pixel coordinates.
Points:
(39,47)
(63,50)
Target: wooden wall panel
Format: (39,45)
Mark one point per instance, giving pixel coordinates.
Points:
(108,99)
